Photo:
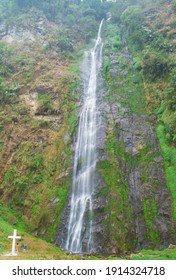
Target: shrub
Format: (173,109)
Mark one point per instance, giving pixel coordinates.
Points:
(154,65)
(64,43)
(137,63)
(45,104)
(132,17)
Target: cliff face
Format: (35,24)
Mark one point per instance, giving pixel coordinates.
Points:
(132,204)
(37,120)
(139,204)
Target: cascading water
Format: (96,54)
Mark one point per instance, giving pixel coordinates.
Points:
(85,158)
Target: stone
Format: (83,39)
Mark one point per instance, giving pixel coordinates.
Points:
(171,246)
(62,175)
(66,138)
(53,202)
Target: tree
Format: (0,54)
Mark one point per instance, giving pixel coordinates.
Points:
(132,17)
(154,65)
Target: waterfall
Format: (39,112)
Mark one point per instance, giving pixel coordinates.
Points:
(81,210)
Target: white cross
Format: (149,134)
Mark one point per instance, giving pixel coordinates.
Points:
(14,237)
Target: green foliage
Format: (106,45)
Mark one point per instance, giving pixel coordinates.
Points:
(118,45)
(117,192)
(169,154)
(137,63)
(167,254)
(5,54)
(6,91)
(111,143)
(45,104)
(88,27)
(123,82)
(118,9)
(154,65)
(10,175)
(37,162)
(38,179)
(13,88)
(150,215)
(159,43)
(132,17)
(21,183)
(170,92)
(64,43)
(3,92)
(55,10)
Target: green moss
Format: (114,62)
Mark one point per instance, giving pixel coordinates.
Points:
(150,215)
(118,207)
(167,254)
(122,76)
(169,154)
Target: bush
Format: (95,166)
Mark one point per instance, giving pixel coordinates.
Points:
(170,92)
(45,105)
(118,45)
(64,43)
(154,65)
(160,43)
(133,17)
(5,53)
(137,63)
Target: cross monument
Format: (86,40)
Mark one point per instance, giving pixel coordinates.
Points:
(14,237)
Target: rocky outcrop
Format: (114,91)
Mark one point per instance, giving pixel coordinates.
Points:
(34,28)
(141,166)
(132,205)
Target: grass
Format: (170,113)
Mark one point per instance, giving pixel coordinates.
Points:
(38,249)
(169,154)
(167,254)
(118,207)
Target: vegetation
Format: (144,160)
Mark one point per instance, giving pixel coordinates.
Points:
(151,41)
(143,86)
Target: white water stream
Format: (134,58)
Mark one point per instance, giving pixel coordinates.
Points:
(85,158)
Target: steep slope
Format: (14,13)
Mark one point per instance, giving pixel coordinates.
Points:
(39,88)
(139,204)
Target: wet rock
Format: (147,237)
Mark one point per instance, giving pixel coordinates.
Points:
(158,159)
(53,202)
(36,31)
(66,138)
(62,175)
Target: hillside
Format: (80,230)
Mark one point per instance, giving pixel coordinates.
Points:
(41,83)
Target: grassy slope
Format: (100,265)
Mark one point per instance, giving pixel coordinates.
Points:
(34,155)
(38,249)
